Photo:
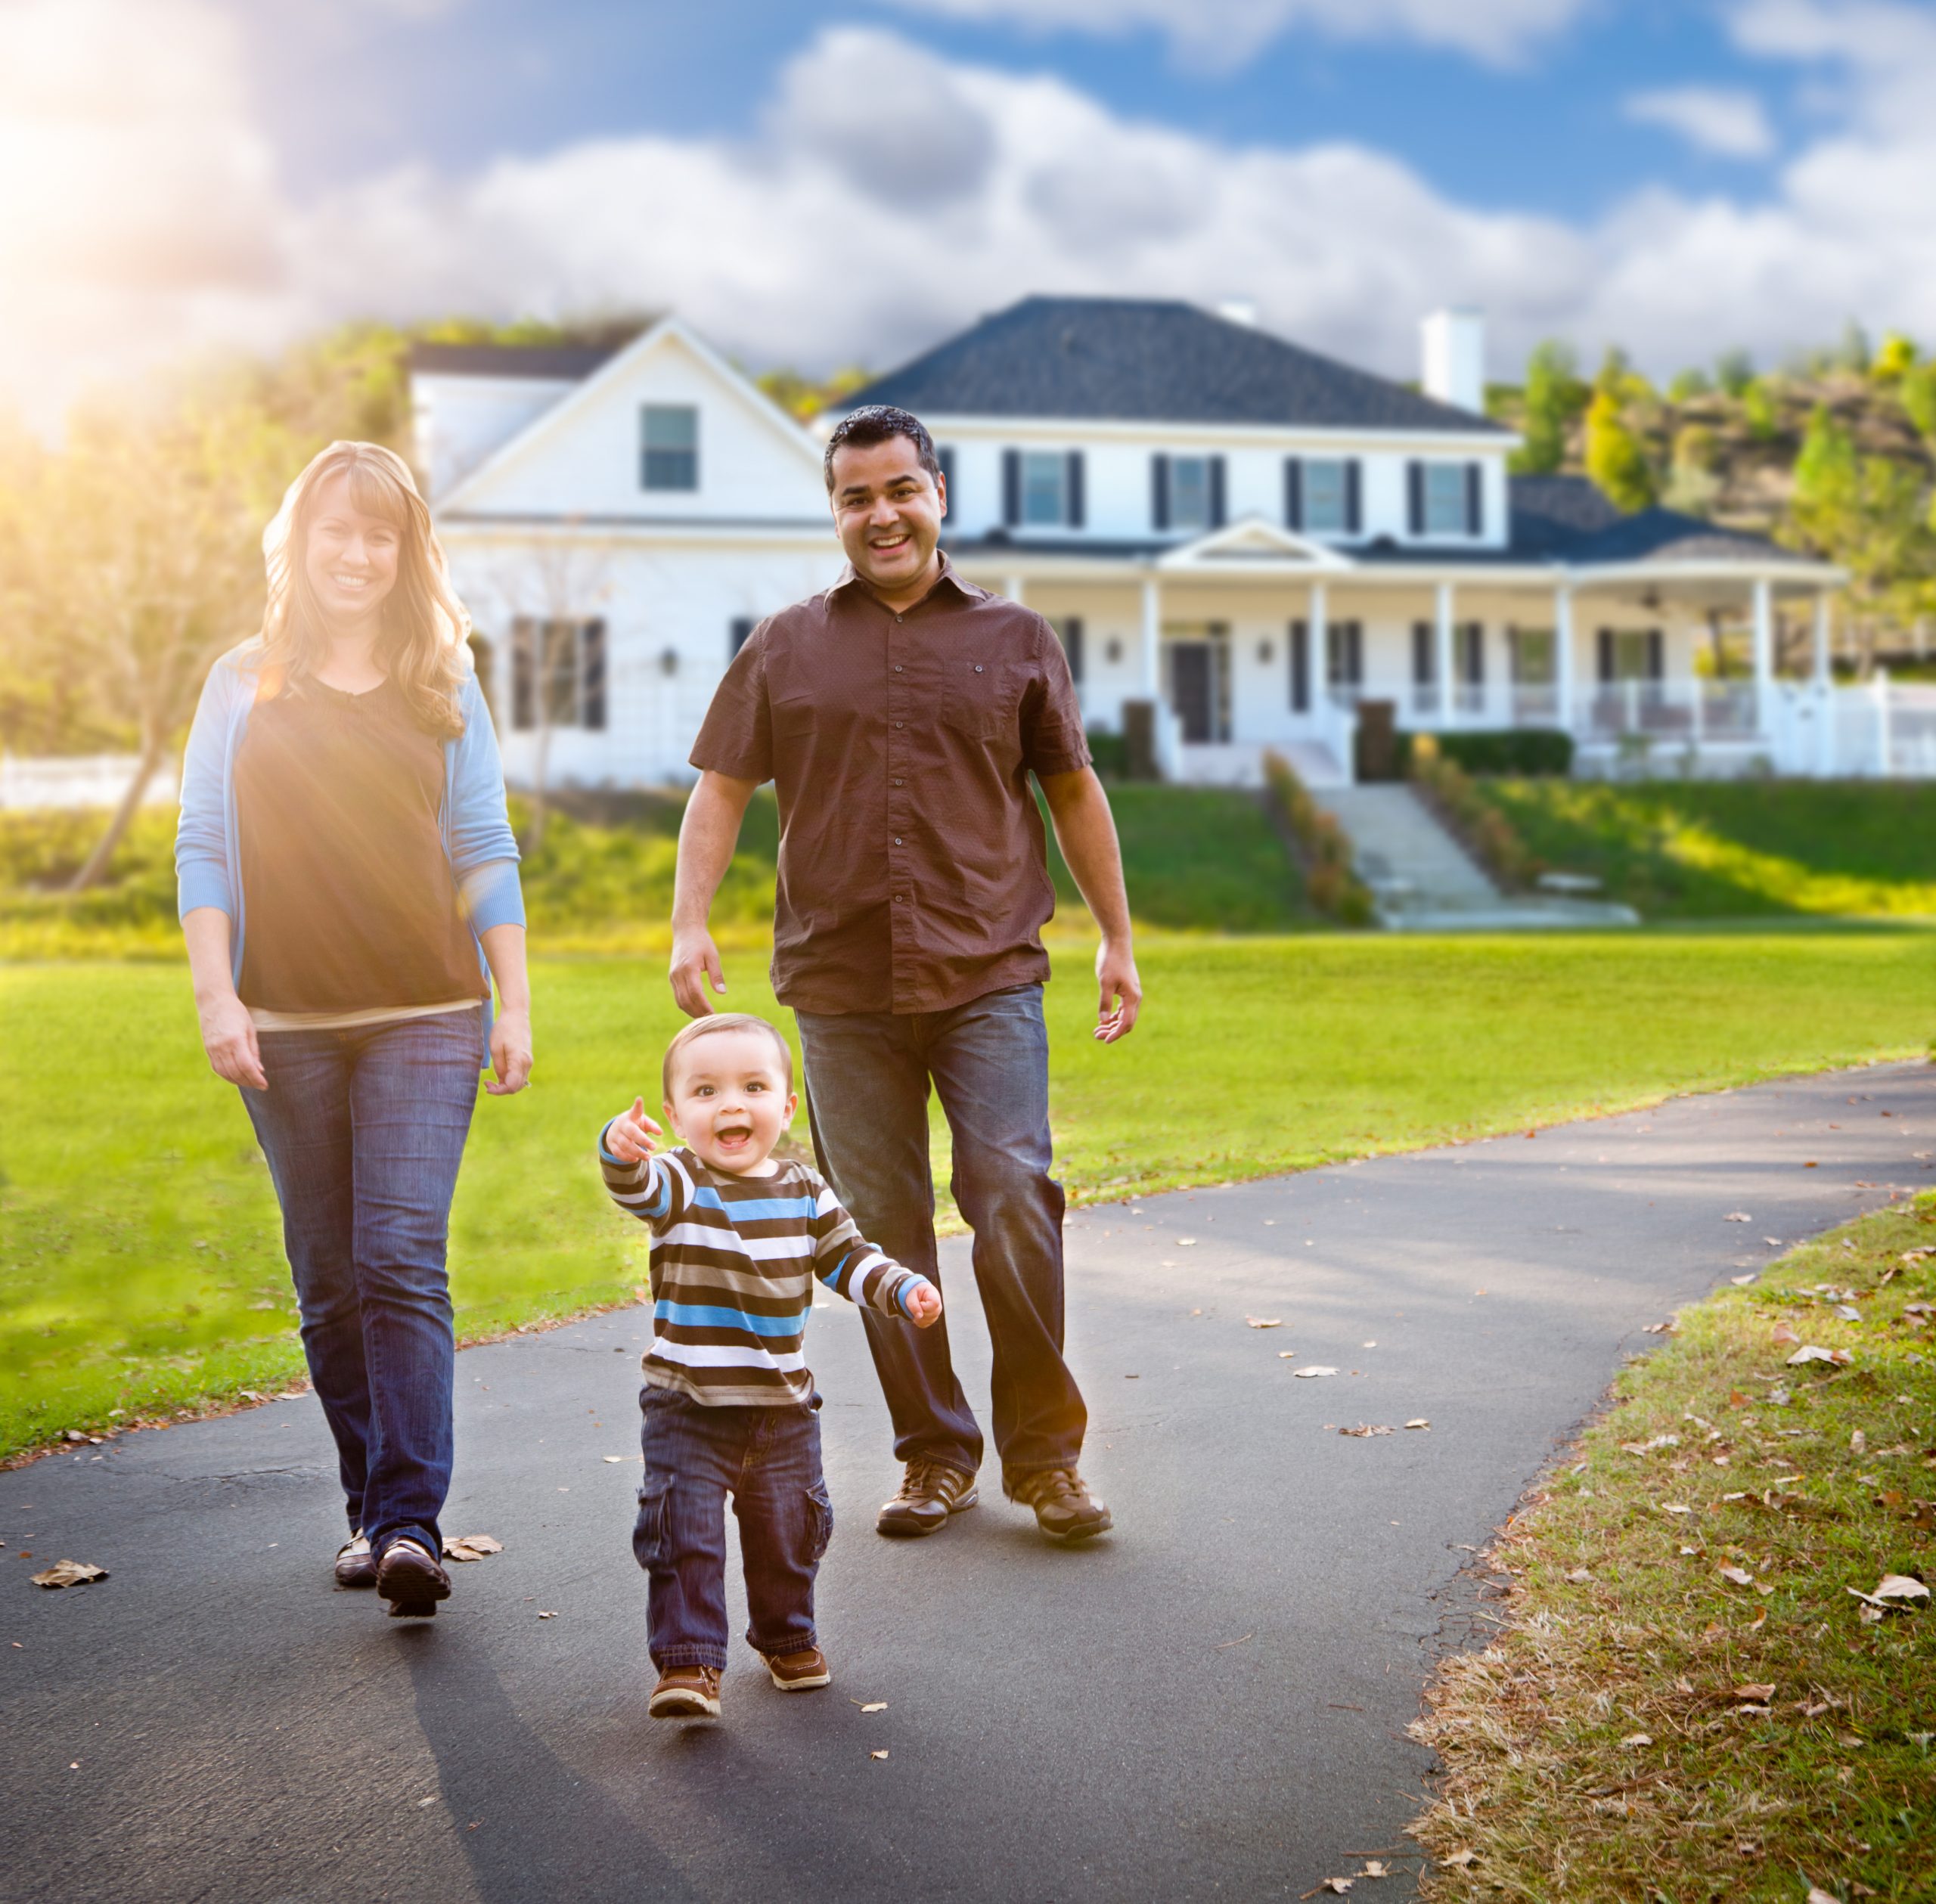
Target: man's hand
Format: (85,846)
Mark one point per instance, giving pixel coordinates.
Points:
(923,1304)
(632,1136)
(695,966)
(1121,992)
(510,1053)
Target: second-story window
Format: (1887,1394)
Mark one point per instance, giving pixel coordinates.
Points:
(1044,497)
(1190,491)
(670,452)
(1325,506)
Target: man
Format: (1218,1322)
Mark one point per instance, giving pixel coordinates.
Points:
(899,716)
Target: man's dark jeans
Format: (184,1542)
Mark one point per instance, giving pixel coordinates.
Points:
(867,1075)
(364,1129)
(768,1460)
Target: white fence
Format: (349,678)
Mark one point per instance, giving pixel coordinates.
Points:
(80,780)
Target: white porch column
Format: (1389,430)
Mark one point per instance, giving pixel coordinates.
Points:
(1442,663)
(1013,589)
(1152,635)
(1765,654)
(1317,644)
(1821,668)
(1824,691)
(1562,653)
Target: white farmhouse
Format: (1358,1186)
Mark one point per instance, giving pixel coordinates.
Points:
(1255,538)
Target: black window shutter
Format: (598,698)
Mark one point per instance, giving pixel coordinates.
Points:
(1354,653)
(1423,654)
(1606,656)
(739,632)
(1415,496)
(1216,492)
(1072,490)
(591,676)
(1294,497)
(1474,500)
(1072,642)
(1300,666)
(1011,487)
(1656,656)
(523,717)
(945,456)
(1354,507)
(1475,656)
(1159,491)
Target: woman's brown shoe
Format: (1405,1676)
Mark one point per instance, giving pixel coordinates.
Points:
(801,1671)
(686,1692)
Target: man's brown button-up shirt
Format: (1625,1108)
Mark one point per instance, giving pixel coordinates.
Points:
(913,873)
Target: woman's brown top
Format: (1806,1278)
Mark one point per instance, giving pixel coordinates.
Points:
(913,873)
(348,894)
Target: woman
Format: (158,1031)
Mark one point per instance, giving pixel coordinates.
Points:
(349,888)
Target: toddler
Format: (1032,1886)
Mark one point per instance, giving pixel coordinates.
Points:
(737,1238)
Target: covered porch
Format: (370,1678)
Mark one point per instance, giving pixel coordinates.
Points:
(1255,638)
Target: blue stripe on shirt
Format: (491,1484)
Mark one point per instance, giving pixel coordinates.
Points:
(693,1315)
(754,1209)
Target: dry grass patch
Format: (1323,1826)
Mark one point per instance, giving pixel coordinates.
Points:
(1686,1698)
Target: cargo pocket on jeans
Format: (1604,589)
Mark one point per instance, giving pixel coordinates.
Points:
(820,1521)
(652,1532)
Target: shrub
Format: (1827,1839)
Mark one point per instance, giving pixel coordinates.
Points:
(1486,832)
(1111,754)
(1524,753)
(1330,882)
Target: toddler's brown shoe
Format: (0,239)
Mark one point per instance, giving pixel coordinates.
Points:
(686,1692)
(799,1672)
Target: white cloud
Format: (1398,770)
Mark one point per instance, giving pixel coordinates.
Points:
(142,214)
(1224,33)
(1715,119)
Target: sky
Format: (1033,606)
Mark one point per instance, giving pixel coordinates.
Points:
(816,185)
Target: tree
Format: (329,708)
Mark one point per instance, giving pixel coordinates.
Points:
(1614,458)
(1692,483)
(1689,384)
(804,398)
(1917,392)
(1555,397)
(1894,355)
(1734,370)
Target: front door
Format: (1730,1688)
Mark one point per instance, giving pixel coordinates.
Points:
(1193,688)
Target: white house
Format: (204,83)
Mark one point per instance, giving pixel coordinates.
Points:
(1256,538)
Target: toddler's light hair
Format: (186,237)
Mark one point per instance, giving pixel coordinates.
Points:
(700,1027)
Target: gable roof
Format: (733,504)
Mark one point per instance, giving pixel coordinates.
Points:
(1149,361)
(549,363)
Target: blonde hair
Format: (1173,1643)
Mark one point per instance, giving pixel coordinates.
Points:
(425,628)
(699,1028)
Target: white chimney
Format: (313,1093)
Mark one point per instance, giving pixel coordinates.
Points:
(1454,343)
(1239,310)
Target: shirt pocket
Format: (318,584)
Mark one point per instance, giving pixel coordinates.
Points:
(978,699)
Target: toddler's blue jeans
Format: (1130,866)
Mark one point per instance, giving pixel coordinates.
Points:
(768,1460)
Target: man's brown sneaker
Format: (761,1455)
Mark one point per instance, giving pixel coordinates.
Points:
(686,1692)
(801,1671)
(930,1491)
(1065,1509)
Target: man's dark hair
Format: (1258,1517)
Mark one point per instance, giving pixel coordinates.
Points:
(875,422)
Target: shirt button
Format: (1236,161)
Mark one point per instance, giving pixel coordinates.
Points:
(897,667)
(978,667)
(897,839)
(897,782)
(900,723)
(900,617)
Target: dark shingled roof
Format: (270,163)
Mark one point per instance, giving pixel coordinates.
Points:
(1146,361)
(1666,536)
(567,362)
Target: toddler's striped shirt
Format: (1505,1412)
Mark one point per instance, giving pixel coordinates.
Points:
(733,1260)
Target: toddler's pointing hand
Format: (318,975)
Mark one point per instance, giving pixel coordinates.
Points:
(630,1136)
(923,1304)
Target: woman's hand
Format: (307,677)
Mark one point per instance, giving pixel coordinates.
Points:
(228,1035)
(632,1136)
(511,1051)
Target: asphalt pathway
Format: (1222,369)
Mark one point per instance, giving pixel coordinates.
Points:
(1211,1702)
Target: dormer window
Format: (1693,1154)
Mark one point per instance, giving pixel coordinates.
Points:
(670,446)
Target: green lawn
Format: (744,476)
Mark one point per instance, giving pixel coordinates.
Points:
(139,1237)
(1727,849)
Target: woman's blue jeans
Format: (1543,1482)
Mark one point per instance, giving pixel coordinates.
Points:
(868,1075)
(364,1129)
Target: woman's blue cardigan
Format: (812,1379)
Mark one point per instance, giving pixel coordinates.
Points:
(478,839)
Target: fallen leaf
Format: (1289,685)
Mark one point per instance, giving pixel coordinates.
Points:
(1739,1575)
(1265,1321)
(1670,1327)
(1674,1507)
(548,1616)
(1638,1739)
(1315,1368)
(68,1573)
(1813,1352)
(1817,1895)
(1738,1280)
(1760,1690)
(471,1546)
(1858,1442)
(1894,1586)
(613,1460)
(1365,1429)
(1376,1868)
(1847,1312)
(1462,1858)
(1737,1216)
(875,1705)
(422,1802)
(1773,1242)
(881,1755)
(1337,1887)
(1183,1242)
(1784,1334)
(1580,1576)
(1418,1421)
